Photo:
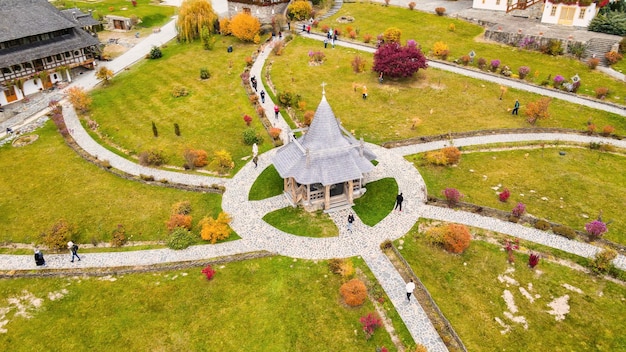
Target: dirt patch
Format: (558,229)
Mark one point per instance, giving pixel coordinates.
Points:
(560,307)
(25,140)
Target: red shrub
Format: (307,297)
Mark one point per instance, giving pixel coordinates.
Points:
(370,323)
(208,272)
(504,195)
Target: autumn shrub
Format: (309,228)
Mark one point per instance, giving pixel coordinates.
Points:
(180,238)
(250,136)
(607,130)
(370,323)
(79,98)
(504,195)
(603,261)
(353,292)
(57,236)
(518,210)
(456,238)
(452,196)
(308,117)
(564,231)
(358,64)
(204,73)
(367,38)
(601,92)
(558,81)
(392,34)
(317,56)
(178,220)
(523,71)
(591,128)
(441,50)
(352,34)
(452,27)
(222,161)
(593,62)
(301,105)
(245,26)
(397,61)
(195,158)
(208,272)
(537,110)
(278,47)
(247,119)
(325,28)
(118,236)
(180,91)
(275,132)
(341,267)
(152,157)
(465,60)
(412,5)
(225,26)
(299,10)
(542,225)
(436,157)
(349,29)
(182,208)
(494,64)
(440,11)
(613,57)
(452,154)
(595,229)
(533,260)
(482,63)
(214,230)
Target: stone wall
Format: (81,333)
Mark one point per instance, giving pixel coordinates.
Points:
(514,39)
(263,13)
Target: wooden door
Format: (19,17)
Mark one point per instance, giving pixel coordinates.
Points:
(10,94)
(567,15)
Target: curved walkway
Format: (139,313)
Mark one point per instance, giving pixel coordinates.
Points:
(363,241)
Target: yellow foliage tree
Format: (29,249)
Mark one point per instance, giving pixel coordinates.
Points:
(192,16)
(441,49)
(104,74)
(392,34)
(225,26)
(538,110)
(215,229)
(245,26)
(223,161)
(79,98)
(299,10)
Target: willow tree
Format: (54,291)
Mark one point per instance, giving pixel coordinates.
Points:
(192,16)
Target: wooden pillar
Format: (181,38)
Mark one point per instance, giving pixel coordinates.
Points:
(293,190)
(286,184)
(350,191)
(326,197)
(308,193)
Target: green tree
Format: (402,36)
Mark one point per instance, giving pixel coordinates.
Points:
(192,16)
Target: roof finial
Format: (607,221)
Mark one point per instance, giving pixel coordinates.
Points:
(323,88)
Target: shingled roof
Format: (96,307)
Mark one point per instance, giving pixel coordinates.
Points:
(23,18)
(326,154)
(83,19)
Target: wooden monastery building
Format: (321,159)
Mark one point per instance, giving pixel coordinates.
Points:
(39,45)
(324,168)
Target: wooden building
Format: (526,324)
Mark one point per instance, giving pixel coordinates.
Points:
(325,168)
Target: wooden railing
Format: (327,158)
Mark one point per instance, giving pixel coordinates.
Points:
(521,5)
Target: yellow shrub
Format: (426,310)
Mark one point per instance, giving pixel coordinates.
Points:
(436,157)
(215,229)
(299,10)
(225,26)
(392,34)
(245,26)
(441,50)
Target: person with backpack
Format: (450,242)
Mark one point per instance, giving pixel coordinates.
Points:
(39,261)
(74,250)
(350,221)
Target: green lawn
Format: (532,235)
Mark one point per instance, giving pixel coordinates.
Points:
(46,181)
(442,101)
(377,202)
(268,184)
(300,222)
(270,304)
(210,117)
(580,182)
(147,11)
(428,28)
(467,290)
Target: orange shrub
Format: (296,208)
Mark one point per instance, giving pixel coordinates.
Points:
(79,98)
(367,38)
(538,110)
(353,292)
(225,26)
(195,158)
(215,229)
(179,220)
(352,34)
(608,130)
(275,132)
(452,154)
(308,117)
(358,64)
(456,239)
(245,26)
(349,29)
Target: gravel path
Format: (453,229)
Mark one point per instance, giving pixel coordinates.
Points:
(363,241)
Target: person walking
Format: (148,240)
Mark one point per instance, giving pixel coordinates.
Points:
(364,92)
(410,286)
(255,160)
(255,150)
(399,199)
(515,108)
(325,43)
(350,221)
(253,81)
(262,96)
(73,249)
(308,29)
(39,261)
(276,111)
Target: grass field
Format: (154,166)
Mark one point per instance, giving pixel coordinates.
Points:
(268,184)
(210,117)
(467,290)
(147,11)
(580,183)
(377,202)
(443,102)
(270,304)
(46,181)
(428,28)
(300,222)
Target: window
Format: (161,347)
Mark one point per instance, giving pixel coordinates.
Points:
(17,68)
(49,59)
(76,53)
(59,57)
(28,65)
(581,15)
(67,54)
(553,11)
(6,70)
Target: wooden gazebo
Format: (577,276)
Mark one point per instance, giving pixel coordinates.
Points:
(324,168)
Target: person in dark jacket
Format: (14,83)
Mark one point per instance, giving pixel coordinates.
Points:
(399,200)
(39,261)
